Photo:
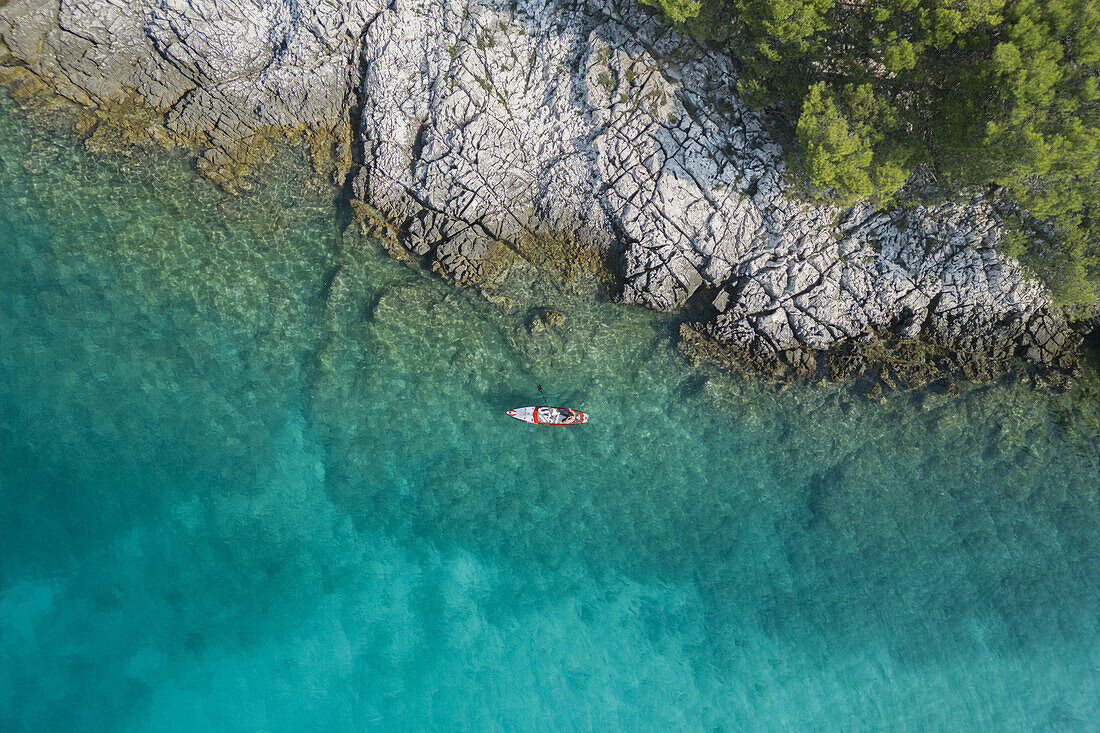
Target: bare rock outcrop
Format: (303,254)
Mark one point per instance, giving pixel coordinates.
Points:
(494,120)
(222,71)
(483,123)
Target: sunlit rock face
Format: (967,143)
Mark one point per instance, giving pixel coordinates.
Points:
(481,122)
(222,71)
(492,120)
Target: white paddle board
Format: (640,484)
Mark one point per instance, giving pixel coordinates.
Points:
(544,415)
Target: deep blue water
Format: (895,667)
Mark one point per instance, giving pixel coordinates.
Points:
(256,475)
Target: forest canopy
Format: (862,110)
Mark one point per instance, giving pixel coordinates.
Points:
(981,92)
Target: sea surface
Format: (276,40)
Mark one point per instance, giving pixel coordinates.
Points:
(257,475)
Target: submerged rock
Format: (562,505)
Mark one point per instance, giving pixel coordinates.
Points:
(544,319)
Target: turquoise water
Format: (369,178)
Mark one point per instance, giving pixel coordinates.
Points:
(257,476)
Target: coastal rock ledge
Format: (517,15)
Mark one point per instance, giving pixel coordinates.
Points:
(483,123)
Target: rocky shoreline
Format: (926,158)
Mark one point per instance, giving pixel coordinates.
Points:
(584,135)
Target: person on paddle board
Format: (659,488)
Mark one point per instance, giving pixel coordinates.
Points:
(543,414)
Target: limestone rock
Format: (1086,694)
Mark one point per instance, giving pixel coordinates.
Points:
(487,121)
(222,70)
(548,115)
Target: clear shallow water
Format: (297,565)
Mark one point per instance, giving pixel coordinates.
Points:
(256,475)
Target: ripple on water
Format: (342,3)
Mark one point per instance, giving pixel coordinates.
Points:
(258,475)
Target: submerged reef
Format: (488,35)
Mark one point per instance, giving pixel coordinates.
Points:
(580,138)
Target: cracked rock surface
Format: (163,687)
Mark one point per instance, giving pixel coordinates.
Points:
(222,70)
(483,122)
(488,120)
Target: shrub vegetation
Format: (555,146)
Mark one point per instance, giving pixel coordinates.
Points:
(981,92)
